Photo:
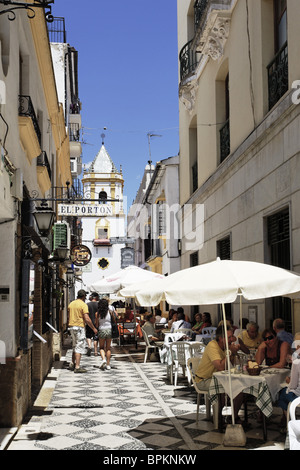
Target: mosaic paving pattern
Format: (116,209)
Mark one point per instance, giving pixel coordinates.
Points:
(132,406)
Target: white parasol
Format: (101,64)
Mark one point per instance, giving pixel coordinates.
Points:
(221,282)
(123,278)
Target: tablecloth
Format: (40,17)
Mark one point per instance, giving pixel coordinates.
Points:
(264,387)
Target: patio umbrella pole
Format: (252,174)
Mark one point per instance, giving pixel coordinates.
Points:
(241,313)
(134,312)
(228,364)
(234,435)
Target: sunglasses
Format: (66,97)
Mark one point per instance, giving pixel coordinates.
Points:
(268,338)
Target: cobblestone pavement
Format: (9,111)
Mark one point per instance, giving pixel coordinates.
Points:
(130,407)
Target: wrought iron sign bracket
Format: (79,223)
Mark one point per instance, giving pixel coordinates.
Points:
(29,7)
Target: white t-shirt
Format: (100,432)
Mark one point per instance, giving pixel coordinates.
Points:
(105,323)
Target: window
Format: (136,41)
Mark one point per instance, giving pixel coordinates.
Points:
(103,233)
(280,18)
(279,249)
(224,252)
(225,130)
(194,261)
(224,248)
(102,197)
(193,143)
(278,77)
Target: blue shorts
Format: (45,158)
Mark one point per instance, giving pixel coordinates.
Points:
(285,398)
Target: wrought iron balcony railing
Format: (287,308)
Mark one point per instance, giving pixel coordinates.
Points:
(74,132)
(225,140)
(278,76)
(188,60)
(199,10)
(26,109)
(57,30)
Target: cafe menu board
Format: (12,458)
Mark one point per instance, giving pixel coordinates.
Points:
(81,255)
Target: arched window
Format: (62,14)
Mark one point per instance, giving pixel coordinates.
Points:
(102,197)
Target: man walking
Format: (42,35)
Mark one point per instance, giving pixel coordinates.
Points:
(78,317)
(93,314)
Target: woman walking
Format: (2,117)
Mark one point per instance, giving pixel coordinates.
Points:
(105,336)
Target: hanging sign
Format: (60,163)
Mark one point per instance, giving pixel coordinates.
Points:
(81,255)
(127,257)
(84,210)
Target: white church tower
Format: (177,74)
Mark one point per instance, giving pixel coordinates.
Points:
(103,183)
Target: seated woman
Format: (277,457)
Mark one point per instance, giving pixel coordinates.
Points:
(198,323)
(273,351)
(206,322)
(173,317)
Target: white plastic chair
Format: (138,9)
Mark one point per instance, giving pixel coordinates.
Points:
(294,425)
(179,358)
(196,349)
(185,331)
(192,364)
(292,408)
(148,345)
(209,331)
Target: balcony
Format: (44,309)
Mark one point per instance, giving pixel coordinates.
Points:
(211,23)
(188,60)
(74,132)
(101,242)
(43,172)
(26,109)
(211,30)
(30,134)
(57,30)
(278,76)
(74,137)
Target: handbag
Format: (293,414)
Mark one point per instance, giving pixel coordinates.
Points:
(114,327)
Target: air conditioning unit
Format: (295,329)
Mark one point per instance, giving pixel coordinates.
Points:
(61,235)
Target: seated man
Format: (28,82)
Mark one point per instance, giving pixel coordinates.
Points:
(180,323)
(214,360)
(129,316)
(250,338)
(282,334)
(149,329)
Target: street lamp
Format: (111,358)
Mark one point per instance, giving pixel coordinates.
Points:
(62,252)
(29,7)
(44,217)
(70,277)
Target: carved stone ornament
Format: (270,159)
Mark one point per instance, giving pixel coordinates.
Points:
(217,37)
(187,94)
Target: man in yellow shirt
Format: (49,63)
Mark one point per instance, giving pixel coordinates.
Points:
(78,317)
(214,360)
(250,338)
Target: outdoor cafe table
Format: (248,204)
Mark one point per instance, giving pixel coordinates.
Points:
(264,388)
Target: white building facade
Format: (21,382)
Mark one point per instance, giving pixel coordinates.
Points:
(105,220)
(154,219)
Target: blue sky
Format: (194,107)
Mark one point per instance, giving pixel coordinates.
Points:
(128,79)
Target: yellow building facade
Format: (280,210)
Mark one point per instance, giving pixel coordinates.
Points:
(35,158)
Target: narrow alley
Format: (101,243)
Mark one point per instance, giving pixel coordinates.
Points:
(128,408)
